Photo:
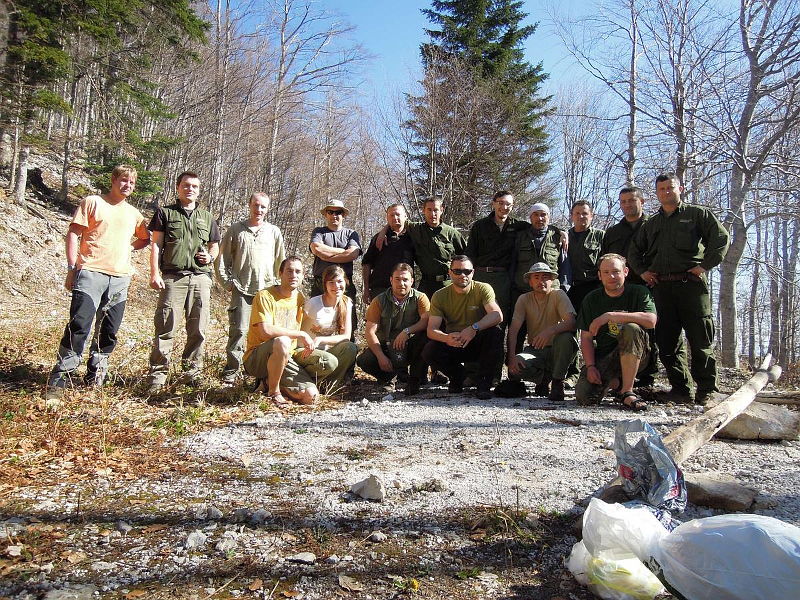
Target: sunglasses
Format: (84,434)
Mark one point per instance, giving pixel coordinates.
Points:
(335,212)
(462,271)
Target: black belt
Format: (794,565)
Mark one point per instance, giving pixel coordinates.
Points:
(491,269)
(438,278)
(683,277)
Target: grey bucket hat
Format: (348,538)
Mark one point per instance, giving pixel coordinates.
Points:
(541,267)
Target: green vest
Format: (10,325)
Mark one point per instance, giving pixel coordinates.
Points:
(527,254)
(183,237)
(396,317)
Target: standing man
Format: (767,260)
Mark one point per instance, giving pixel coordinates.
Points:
(552,347)
(98,249)
(614,343)
(435,244)
(463,327)
(397,320)
(540,242)
(672,251)
(249,260)
(185,242)
(585,244)
(490,247)
(377,265)
(335,244)
(272,356)
(617,238)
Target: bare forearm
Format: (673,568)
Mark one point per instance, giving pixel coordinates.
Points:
(587,347)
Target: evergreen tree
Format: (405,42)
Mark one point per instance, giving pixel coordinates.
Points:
(477,126)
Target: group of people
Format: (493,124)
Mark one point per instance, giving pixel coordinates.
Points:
(556,294)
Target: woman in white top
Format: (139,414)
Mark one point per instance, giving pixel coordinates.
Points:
(327,319)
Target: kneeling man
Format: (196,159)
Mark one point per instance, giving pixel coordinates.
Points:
(395,332)
(272,353)
(463,327)
(614,343)
(550,320)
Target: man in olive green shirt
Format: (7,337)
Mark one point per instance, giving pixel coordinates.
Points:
(585,243)
(672,251)
(463,327)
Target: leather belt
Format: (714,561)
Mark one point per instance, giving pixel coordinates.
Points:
(491,269)
(436,278)
(683,277)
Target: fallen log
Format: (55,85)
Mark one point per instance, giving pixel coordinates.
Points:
(686,439)
(791,398)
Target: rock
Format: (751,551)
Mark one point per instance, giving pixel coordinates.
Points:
(77,592)
(102,565)
(225,545)
(333,559)
(718,490)
(240,515)
(377,537)
(387,398)
(371,488)
(761,421)
(122,527)
(196,539)
(259,517)
(304,558)
(15,550)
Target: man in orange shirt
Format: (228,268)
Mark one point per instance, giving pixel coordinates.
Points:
(98,249)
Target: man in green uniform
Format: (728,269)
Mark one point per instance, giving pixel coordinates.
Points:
(463,327)
(397,319)
(672,251)
(613,322)
(490,246)
(585,243)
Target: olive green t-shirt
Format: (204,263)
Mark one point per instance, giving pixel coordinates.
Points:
(459,311)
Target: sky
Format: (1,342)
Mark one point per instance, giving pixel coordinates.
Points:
(392,31)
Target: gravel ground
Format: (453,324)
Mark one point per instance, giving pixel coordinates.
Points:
(269,489)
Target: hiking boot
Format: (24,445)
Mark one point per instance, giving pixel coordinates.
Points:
(54,393)
(543,387)
(703,397)
(94,378)
(676,396)
(386,386)
(412,386)
(229,378)
(455,387)
(556,391)
(154,388)
(484,393)
(440,379)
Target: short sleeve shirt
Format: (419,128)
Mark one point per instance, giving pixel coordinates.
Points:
(459,311)
(106,240)
(157,223)
(540,314)
(344,238)
(634,298)
(271,309)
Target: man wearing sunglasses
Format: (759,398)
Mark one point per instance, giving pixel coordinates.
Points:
(463,327)
(335,244)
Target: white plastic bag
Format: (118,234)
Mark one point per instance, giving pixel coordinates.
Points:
(607,558)
(731,557)
(610,579)
(616,531)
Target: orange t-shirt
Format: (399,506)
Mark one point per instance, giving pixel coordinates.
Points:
(106,242)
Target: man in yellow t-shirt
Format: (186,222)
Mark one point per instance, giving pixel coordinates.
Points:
(463,327)
(272,356)
(98,248)
(552,345)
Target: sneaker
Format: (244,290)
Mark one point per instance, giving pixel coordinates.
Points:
(441,379)
(484,394)
(556,391)
(229,378)
(94,378)
(260,386)
(412,386)
(54,393)
(386,386)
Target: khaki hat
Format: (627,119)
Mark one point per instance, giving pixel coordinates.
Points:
(335,204)
(541,267)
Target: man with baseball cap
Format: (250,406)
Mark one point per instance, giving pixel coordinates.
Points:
(550,320)
(335,244)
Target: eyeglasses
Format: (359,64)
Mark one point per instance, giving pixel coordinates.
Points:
(462,271)
(335,212)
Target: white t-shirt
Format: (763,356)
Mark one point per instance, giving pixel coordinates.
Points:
(320,320)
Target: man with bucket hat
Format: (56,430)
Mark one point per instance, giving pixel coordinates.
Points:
(550,319)
(335,244)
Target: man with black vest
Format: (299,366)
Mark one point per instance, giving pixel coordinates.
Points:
(185,243)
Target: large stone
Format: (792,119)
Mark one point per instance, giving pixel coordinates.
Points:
(762,421)
(72,592)
(371,488)
(304,558)
(718,490)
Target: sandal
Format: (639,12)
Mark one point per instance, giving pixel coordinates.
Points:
(635,405)
(278,400)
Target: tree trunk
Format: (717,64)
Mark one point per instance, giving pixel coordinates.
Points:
(774,290)
(21,178)
(754,291)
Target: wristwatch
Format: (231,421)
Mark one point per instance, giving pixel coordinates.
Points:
(71,267)
(407,331)
(475,327)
